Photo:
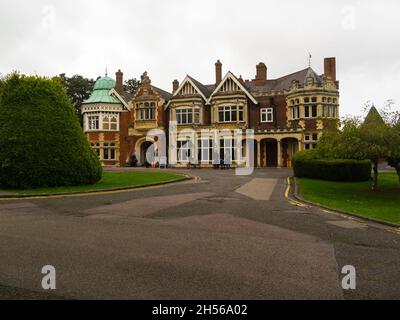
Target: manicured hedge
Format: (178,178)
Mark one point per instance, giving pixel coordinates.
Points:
(41,141)
(307,165)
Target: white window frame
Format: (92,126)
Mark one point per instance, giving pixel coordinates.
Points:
(205,146)
(267,115)
(230,110)
(184,150)
(193,112)
(93,122)
(111,151)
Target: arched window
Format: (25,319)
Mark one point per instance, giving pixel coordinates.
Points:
(114,123)
(106,123)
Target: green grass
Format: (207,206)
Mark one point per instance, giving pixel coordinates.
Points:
(110,180)
(357,197)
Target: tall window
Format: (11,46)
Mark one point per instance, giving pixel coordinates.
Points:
(93,122)
(109,151)
(310,111)
(295,109)
(267,115)
(230,150)
(188,116)
(114,123)
(231,114)
(184,149)
(205,150)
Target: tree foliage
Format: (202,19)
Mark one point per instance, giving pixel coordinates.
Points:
(41,142)
(78,89)
(131,85)
(373,139)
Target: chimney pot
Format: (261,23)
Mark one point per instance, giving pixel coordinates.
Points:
(218,72)
(119,86)
(330,68)
(175,86)
(261,72)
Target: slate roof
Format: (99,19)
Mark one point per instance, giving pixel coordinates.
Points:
(279,84)
(285,82)
(164,94)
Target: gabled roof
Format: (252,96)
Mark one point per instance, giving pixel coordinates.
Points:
(231,76)
(200,88)
(120,98)
(203,88)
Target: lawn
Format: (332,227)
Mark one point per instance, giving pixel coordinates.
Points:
(110,180)
(356,197)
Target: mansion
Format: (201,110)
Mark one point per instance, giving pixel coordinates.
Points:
(204,124)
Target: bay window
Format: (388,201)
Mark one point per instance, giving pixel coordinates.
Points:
(146,111)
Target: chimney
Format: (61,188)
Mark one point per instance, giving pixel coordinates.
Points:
(175,86)
(330,68)
(218,72)
(119,87)
(261,72)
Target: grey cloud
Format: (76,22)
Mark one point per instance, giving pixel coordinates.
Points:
(172,38)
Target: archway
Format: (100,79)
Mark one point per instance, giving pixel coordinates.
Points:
(290,146)
(269,153)
(141,150)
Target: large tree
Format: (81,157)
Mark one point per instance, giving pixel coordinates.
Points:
(41,142)
(359,139)
(78,89)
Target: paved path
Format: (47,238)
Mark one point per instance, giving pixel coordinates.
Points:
(223,237)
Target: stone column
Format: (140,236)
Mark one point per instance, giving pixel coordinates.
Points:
(300,145)
(258,154)
(280,160)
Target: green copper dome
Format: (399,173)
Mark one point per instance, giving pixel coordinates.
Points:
(104,83)
(101,92)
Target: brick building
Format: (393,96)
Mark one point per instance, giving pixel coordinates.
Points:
(287,114)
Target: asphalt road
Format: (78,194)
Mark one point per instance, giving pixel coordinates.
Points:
(220,237)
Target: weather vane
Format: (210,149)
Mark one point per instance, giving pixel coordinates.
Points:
(309,59)
(106,72)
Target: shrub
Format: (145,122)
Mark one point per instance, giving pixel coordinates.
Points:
(307,164)
(41,142)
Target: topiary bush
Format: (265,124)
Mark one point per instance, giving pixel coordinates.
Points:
(41,141)
(306,164)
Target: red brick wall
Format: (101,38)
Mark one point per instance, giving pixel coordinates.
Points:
(278,103)
(125,140)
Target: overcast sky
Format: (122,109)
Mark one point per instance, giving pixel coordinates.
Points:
(173,38)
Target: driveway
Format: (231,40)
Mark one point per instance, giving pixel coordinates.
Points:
(218,237)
